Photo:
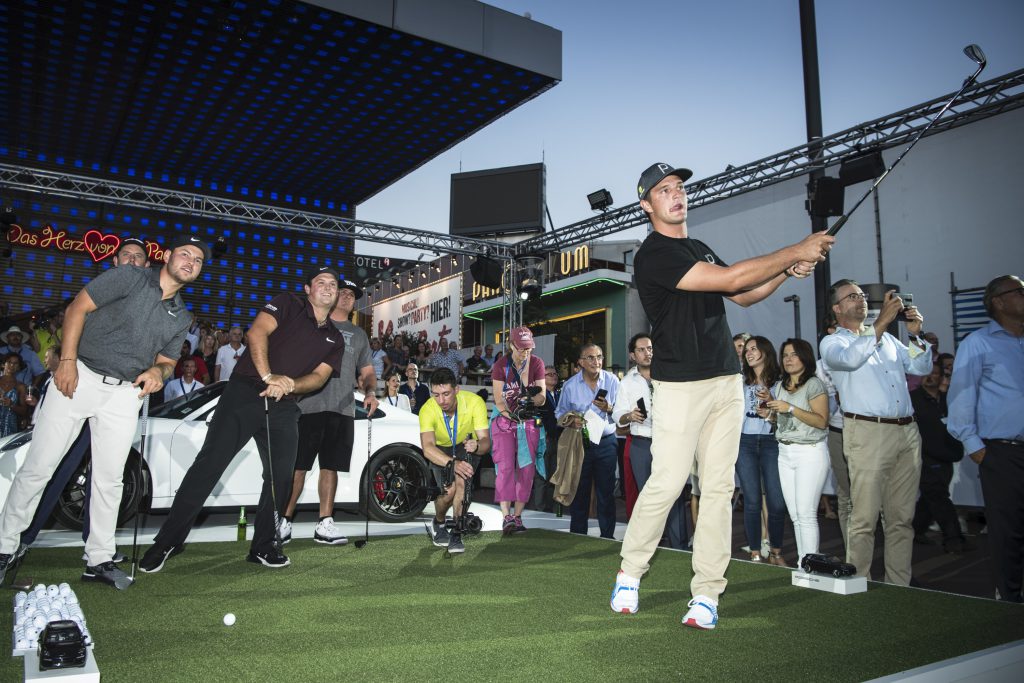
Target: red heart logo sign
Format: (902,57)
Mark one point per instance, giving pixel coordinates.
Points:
(101,246)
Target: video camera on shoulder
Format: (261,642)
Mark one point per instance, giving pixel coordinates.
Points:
(525,408)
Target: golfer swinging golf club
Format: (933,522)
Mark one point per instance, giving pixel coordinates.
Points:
(122,333)
(698,405)
(293,349)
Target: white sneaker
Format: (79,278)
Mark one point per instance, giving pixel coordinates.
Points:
(327,533)
(625,594)
(285,530)
(703,613)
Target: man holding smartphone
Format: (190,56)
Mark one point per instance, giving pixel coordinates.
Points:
(633,412)
(593,389)
(880,437)
(698,410)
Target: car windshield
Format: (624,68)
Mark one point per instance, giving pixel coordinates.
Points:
(181,406)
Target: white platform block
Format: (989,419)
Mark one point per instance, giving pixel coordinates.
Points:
(90,673)
(846,585)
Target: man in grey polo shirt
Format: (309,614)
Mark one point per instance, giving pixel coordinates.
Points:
(121,334)
(327,423)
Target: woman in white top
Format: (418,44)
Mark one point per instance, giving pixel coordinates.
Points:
(391,395)
(801,408)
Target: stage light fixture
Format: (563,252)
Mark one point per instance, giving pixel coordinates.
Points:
(437,267)
(529,289)
(410,277)
(600,200)
(423,275)
(220,247)
(455,261)
(7,219)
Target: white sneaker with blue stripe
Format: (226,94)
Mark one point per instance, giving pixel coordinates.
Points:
(625,594)
(703,613)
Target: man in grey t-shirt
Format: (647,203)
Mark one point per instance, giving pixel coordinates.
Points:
(327,422)
(121,334)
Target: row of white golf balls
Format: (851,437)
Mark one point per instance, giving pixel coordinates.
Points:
(36,608)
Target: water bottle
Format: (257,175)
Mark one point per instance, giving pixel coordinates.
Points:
(242,523)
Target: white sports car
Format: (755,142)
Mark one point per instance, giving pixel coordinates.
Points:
(391,465)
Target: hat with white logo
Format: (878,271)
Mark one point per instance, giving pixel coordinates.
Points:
(191,240)
(353,287)
(320,271)
(655,173)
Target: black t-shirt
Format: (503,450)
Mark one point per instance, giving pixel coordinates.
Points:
(298,345)
(689,331)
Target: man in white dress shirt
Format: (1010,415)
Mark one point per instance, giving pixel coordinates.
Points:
(880,438)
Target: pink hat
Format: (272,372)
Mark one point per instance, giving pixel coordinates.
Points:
(522,338)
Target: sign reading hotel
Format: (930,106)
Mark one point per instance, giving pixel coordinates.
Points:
(97,244)
(429,313)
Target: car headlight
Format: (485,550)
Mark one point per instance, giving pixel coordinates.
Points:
(17,441)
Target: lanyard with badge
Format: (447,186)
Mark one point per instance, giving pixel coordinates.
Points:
(452,427)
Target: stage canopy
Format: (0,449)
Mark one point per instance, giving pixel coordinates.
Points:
(307,105)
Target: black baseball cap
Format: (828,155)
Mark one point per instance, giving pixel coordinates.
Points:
(193,241)
(137,242)
(353,287)
(655,173)
(320,271)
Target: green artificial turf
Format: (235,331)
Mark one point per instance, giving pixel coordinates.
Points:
(526,607)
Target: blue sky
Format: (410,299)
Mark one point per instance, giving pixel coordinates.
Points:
(703,85)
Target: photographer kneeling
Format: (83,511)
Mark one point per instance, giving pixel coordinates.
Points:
(453,434)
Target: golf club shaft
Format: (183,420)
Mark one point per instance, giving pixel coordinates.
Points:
(270,467)
(138,481)
(837,226)
(369,449)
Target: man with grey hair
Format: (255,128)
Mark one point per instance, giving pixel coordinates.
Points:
(986,393)
(228,355)
(881,441)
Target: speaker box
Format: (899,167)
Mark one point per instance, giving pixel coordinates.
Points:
(825,197)
(487,272)
(861,168)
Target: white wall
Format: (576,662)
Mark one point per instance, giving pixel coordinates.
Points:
(954,204)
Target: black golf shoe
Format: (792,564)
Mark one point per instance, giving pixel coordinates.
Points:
(268,558)
(154,559)
(9,562)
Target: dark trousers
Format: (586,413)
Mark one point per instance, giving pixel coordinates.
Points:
(757,464)
(1002,484)
(934,503)
(239,416)
(640,460)
(58,482)
(599,462)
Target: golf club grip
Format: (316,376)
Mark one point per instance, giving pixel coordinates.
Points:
(838,225)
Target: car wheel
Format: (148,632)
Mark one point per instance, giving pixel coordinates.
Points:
(70,506)
(398,479)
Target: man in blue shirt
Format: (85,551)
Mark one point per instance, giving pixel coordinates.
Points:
(985,398)
(580,393)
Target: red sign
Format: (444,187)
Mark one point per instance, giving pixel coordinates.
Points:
(98,245)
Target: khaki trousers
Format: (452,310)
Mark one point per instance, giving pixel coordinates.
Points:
(885,469)
(842,475)
(691,419)
(113,414)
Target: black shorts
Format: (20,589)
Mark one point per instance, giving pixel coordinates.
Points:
(441,473)
(328,435)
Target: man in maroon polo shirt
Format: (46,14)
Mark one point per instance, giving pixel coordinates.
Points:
(293,349)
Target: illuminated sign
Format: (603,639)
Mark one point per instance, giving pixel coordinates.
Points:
(560,265)
(97,244)
(576,261)
(430,313)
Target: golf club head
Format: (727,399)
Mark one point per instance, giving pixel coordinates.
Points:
(22,584)
(976,55)
(360,544)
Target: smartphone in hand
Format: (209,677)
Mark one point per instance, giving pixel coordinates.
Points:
(642,407)
(601,393)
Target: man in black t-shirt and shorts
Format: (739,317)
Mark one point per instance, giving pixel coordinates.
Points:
(293,349)
(698,406)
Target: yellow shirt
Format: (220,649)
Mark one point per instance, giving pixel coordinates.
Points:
(470,410)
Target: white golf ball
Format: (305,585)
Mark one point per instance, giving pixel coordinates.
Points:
(52,590)
(22,644)
(71,599)
(229,619)
(31,634)
(65,589)
(39,620)
(19,598)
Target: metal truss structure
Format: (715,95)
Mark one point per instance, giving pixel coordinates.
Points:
(982,101)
